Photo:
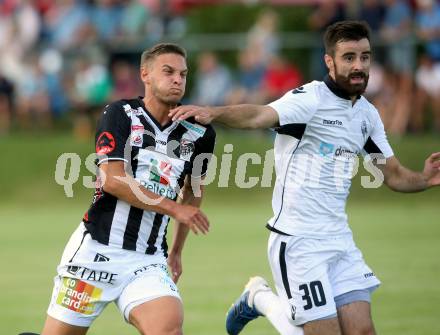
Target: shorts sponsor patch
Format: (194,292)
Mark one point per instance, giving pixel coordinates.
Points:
(78,295)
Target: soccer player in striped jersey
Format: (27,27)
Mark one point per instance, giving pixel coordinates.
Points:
(150,170)
(321,278)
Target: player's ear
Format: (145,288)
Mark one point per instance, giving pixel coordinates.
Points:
(144,74)
(329,62)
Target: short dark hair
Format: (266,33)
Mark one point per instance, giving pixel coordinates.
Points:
(161,49)
(344,31)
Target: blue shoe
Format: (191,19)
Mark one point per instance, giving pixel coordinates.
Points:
(243,310)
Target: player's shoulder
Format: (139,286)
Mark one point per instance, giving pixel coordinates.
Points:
(306,91)
(369,108)
(198,129)
(304,95)
(121,108)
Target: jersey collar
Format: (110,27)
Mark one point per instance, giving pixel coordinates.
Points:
(337,90)
(158,125)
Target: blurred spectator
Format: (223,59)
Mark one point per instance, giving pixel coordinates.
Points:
(428,73)
(427,93)
(428,27)
(165,19)
(280,77)
(19,32)
(381,91)
(68,25)
(91,90)
(373,12)
(250,74)
(263,37)
(125,81)
(134,22)
(51,62)
(106,19)
(326,13)
(7,6)
(213,81)
(33,102)
(6,104)
(397,33)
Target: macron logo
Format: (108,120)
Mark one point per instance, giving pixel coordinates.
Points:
(332,122)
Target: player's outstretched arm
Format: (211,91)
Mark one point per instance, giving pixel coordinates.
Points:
(122,186)
(244,116)
(180,231)
(401,179)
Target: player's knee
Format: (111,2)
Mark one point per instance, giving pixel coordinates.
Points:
(366,329)
(167,325)
(161,329)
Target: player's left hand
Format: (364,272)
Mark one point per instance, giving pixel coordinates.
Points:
(432,169)
(204,115)
(175,265)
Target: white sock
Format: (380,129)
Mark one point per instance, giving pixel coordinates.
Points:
(274,309)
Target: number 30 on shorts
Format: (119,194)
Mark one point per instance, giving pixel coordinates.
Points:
(317,297)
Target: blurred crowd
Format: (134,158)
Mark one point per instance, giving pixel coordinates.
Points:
(66,56)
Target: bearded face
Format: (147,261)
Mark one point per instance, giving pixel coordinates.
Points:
(354,83)
(350,65)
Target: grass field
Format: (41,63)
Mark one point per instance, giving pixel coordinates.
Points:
(399,235)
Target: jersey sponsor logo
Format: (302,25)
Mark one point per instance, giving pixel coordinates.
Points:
(137,127)
(332,122)
(92,275)
(343,152)
(159,179)
(325,149)
(186,150)
(105,143)
(299,90)
(167,192)
(136,136)
(78,296)
(130,111)
(126,107)
(138,111)
(160,171)
(194,127)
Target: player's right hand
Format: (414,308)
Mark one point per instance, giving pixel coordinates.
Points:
(204,115)
(193,218)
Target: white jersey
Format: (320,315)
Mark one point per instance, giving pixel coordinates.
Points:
(317,145)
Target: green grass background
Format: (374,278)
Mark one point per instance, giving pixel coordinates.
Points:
(398,233)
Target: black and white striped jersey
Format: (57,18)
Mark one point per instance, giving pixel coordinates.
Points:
(159,158)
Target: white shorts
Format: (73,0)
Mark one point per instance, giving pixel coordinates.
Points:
(91,275)
(311,273)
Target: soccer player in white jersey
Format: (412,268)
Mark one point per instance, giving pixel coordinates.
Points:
(323,283)
(119,251)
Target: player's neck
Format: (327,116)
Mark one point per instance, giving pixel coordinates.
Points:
(158,110)
(338,90)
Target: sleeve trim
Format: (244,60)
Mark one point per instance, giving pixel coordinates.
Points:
(111,159)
